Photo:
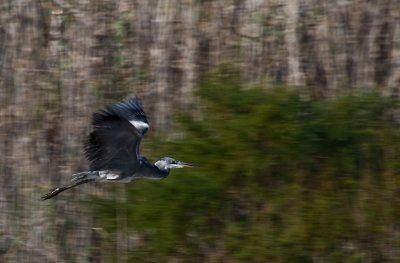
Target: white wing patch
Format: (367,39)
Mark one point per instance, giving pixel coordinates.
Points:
(140,125)
(108,175)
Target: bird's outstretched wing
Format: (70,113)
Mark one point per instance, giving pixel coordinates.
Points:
(117,132)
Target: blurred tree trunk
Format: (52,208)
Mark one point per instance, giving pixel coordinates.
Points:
(292,42)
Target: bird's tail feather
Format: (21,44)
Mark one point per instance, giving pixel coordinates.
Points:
(58,190)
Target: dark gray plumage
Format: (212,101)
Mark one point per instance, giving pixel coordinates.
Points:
(112,148)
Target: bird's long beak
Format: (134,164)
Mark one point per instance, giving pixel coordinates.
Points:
(186,164)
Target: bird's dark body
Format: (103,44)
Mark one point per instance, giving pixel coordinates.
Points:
(113,148)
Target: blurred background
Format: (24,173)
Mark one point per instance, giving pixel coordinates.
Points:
(290,109)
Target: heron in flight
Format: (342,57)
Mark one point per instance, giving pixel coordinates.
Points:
(112,148)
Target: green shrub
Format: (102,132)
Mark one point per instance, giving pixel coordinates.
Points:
(280,177)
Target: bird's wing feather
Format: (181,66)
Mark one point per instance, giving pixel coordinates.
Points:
(132,111)
(117,132)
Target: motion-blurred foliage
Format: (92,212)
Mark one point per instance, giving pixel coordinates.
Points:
(280,177)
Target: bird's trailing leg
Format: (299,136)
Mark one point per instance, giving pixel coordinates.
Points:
(85,175)
(58,190)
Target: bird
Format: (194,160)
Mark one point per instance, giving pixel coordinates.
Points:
(113,148)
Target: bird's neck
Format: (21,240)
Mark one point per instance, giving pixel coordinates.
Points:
(164,172)
(153,171)
(161,166)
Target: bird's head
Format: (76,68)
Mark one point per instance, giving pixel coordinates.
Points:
(166,163)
